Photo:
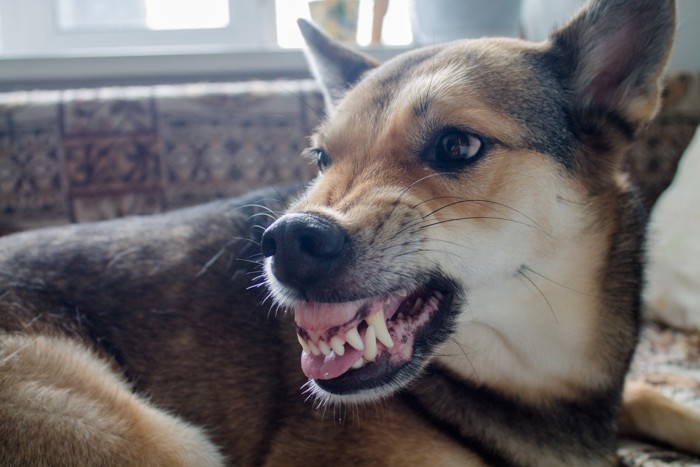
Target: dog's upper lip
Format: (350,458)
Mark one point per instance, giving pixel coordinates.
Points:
(320,317)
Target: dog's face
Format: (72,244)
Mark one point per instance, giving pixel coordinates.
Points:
(461,215)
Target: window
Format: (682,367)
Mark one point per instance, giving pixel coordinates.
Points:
(32,28)
(60,27)
(116,41)
(86,15)
(396,30)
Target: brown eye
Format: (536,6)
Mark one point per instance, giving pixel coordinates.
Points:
(457,147)
(323,160)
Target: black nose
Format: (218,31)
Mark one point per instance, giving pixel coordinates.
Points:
(307,251)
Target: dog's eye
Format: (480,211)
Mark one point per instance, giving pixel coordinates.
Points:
(321,157)
(323,160)
(456,147)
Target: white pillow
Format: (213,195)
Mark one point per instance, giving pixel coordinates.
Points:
(672,293)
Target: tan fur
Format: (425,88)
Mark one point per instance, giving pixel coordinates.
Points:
(649,414)
(391,435)
(72,407)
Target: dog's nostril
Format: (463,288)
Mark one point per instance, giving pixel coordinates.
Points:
(268,245)
(308,245)
(322,243)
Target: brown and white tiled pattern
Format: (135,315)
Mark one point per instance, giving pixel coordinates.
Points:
(90,154)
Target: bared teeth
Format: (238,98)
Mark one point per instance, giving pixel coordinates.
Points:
(418,305)
(338,346)
(303,343)
(370,352)
(377,331)
(353,338)
(314,349)
(323,347)
(358,364)
(379,324)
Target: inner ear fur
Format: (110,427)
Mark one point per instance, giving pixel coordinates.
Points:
(335,67)
(617,51)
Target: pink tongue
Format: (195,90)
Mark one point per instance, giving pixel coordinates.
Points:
(320,317)
(332,366)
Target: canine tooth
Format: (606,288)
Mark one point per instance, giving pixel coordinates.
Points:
(418,305)
(370,344)
(314,349)
(353,338)
(379,324)
(303,343)
(323,347)
(338,346)
(358,364)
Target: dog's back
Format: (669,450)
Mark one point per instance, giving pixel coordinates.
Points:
(162,305)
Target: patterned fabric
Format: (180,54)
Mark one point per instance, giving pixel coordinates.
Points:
(93,154)
(669,360)
(653,161)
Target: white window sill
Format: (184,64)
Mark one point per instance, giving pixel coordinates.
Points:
(193,64)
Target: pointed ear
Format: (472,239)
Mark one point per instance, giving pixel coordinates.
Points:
(335,67)
(617,51)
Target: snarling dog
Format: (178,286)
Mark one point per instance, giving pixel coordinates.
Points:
(464,276)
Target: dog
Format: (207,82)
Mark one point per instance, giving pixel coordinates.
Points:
(464,275)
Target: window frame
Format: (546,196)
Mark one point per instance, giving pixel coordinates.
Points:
(30,29)
(104,64)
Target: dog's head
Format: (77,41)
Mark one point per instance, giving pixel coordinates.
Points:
(467,204)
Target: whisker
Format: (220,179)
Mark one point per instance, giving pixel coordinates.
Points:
(483,217)
(265,214)
(487,202)
(259,263)
(409,226)
(408,188)
(213,260)
(281,198)
(460,245)
(551,309)
(407,253)
(466,355)
(528,268)
(259,284)
(233,239)
(263,207)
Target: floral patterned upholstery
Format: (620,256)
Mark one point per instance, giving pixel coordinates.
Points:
(90,154)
